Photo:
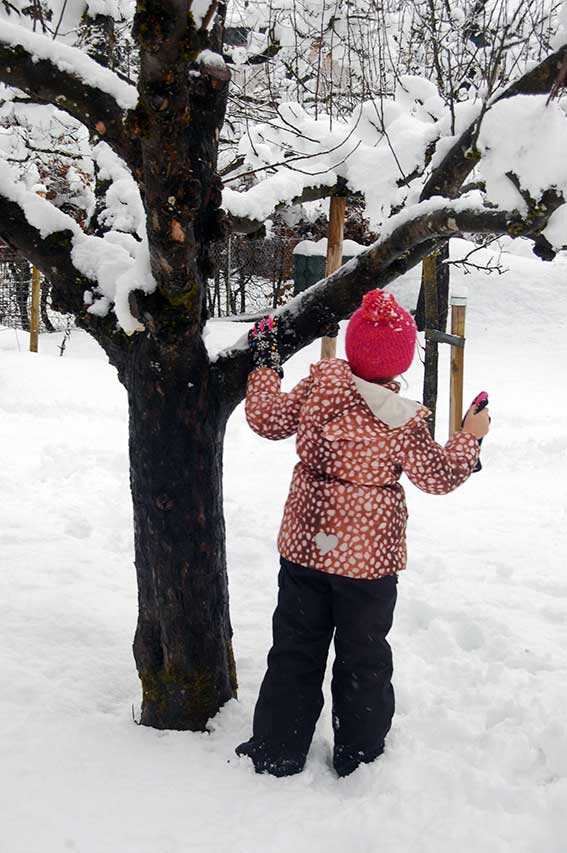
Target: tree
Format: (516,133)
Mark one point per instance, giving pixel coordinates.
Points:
(142,296)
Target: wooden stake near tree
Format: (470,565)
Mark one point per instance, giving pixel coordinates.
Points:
(34,310)
(334,258)
(458,314)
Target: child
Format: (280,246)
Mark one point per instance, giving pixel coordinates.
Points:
(342,537)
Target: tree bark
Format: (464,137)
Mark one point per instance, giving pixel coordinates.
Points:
(431,360)
(442,279)
(182,647)
(45,288)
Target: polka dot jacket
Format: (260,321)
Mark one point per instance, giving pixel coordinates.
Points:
(346,511)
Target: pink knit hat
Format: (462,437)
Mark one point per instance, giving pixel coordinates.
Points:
(380,338)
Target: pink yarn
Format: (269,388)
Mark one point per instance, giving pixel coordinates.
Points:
(380,338)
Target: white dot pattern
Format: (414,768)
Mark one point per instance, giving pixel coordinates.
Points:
(346,511)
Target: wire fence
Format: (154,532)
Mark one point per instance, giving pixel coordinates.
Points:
(15,295)
(249,276)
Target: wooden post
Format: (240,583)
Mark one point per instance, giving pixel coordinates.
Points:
(458,313)
(34,311)
(334,258)
(35,305)
(431,316)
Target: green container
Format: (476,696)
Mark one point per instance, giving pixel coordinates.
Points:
(309,269)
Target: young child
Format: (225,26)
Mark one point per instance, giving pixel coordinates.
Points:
(342,539)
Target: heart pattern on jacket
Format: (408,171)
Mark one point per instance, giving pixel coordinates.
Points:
(326,542)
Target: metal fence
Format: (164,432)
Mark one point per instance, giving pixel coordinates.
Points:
(249,276)
(15,295)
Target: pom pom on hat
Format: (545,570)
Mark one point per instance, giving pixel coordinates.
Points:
(380,338)
(379,307)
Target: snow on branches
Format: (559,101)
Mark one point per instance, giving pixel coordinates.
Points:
(522,144)
(69,60)
(377,151)
(388,150)
(116,264)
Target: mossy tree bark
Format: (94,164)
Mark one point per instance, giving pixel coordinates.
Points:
(182,647)
(177,416)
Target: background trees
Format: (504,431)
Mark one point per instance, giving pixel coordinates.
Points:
(429,160)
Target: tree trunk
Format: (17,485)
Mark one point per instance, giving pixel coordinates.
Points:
(45,288)
(442,279)
(431,362)
(182,647)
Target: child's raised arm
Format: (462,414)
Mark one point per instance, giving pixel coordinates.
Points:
(271,412)
(436,469)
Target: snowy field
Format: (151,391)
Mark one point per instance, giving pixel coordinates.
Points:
(477,757)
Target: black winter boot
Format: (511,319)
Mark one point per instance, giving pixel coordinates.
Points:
(265,761)
(346,761)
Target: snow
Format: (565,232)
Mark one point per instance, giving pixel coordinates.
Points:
(538,165)
(71,60)
(477,757)
(124,208)
(210,59)
(38,212)
(261,200)
(384,139)
(319,248)
(199,9)
(117,9)
(560,37)
(556,229)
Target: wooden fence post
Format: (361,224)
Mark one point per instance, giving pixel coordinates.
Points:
(458,314)
(334,257)
(34,311)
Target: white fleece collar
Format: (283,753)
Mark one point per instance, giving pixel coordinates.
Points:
(386,405)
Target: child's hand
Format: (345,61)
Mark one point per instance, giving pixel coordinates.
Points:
(263,341)
(477,423)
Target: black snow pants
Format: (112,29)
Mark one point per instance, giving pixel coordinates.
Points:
(311,606)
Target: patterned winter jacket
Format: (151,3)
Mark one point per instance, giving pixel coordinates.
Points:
(346,511)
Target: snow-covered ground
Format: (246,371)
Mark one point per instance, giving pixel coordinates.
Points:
(477,757)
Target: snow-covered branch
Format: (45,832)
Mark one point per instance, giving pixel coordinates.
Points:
(393,151)
(246,225)
(51,72)
(407,238)
(89,275)
(453,169)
